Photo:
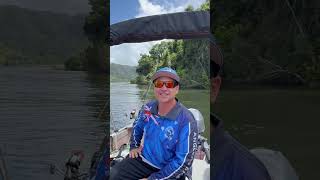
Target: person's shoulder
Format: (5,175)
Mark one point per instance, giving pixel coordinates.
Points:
(151,103)
(184,112)
(235,160)
(151,106)
(246,163)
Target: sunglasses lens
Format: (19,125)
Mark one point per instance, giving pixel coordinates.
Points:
(158,84)
(169,84)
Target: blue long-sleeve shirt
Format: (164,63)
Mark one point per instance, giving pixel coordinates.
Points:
(169,141)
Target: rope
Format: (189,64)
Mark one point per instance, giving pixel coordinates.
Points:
(295,18)
(101,112)
(150,83)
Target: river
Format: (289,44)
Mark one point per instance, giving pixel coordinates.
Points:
(45,114)
(282,119)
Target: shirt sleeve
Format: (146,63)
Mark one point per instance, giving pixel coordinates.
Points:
(185,151)
(102,171)
(137,132)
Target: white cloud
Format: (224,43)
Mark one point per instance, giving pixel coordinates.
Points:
(129,54)
(147,8)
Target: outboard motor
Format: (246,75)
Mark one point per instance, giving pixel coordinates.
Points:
(203,145)
(199,118)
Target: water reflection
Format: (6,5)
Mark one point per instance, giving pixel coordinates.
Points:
(45,114)
(98,98)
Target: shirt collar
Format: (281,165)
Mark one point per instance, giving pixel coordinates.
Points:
(173,113)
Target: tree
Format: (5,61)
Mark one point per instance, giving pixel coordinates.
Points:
(95,28)
(261,37)
(190,58)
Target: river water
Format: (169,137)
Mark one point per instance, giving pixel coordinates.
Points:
(282,119)
(44,115)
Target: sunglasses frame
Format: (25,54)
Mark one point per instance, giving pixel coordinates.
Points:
(164,83)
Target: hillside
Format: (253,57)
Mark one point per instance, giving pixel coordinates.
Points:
(122,73)
(39,37)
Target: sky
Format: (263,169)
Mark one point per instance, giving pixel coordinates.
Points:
(71,7)
(120,10)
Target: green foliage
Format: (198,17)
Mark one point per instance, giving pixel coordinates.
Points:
(189,8)
(140,80)
(37,37)
(145,65)
(259,37)
(95,28)
(190,58)
(205,6)
(96,22)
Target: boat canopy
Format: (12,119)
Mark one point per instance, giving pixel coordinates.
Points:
(182,25)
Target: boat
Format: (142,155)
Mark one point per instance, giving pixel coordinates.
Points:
(119,148)
(182,25)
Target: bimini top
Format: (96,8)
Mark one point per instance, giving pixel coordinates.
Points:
(182,25)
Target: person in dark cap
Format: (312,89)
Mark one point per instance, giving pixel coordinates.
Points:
(170,135)
(230,159)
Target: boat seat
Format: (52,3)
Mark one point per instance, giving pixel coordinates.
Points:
(278,166)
